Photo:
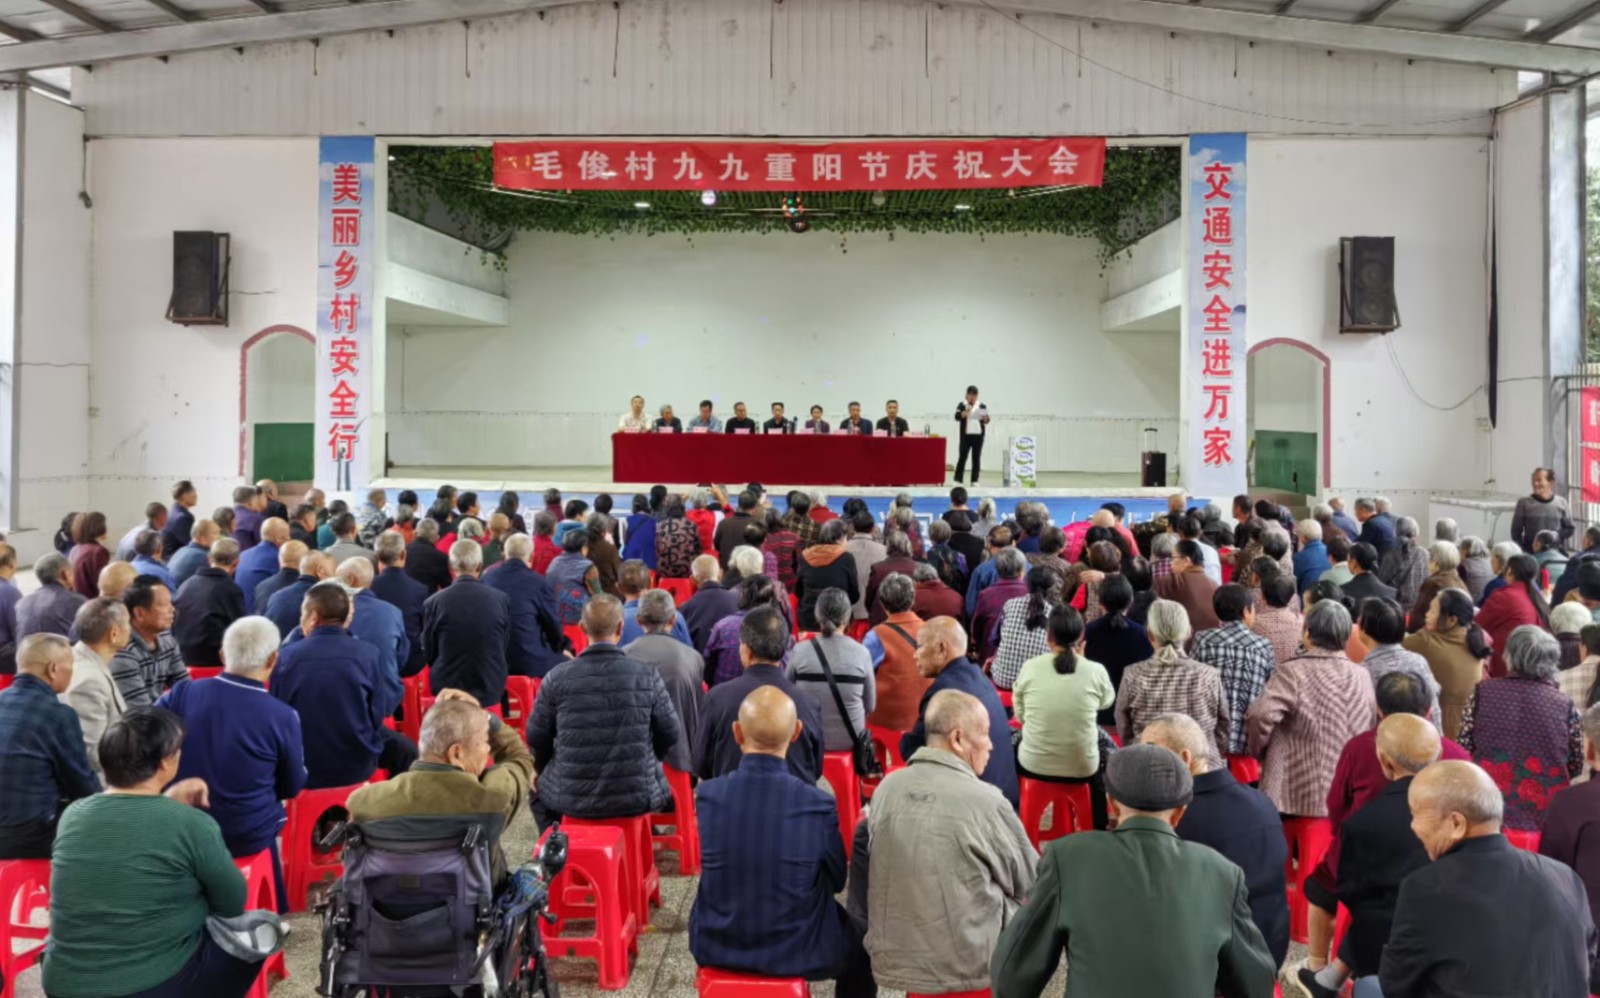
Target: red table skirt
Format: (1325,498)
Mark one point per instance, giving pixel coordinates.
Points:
(684,458)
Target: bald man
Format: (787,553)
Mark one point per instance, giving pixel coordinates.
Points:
(1484,918)
(942,657)
(289,555)
(283,608)
(116,577)
(1377,850)
(43,765)
(260,563)
(773,862)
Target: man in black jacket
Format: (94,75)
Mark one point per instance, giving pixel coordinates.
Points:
(763,640)
(537,643)
(601,725)
(1365,583)
(1485,918)
(730,532)
(206,604)
(711,601)
(424,561)
(1569,575)
(466,631)
(401,591)
(891,423)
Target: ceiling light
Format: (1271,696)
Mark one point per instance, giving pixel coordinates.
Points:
(963,207)
(642,205)
(708,198)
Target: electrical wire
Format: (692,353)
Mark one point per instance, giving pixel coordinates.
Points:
(1406,380)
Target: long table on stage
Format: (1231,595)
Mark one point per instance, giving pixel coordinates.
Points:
(827,459)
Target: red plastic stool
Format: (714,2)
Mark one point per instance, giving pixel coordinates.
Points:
(6,681)
(303,865)
(411,704)
(713,983)
(1245,768)
(1006,698)
(1067,797)
(1341,925)
(579,640)
(839,769)
(594,887)
(643,875)
(198,672)
(1309,839)
(24,893)
(521,691)
(259,893)
(684,839)
(1522,840)
(886,745)
(682,590)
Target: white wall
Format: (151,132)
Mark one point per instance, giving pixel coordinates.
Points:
(758,318)
(282,381)
(1430,194)
(1520,209)
(166,398)
(1285,390)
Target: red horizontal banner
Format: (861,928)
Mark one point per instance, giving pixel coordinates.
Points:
(793,166)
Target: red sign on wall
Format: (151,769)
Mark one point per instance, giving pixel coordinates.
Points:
(1589,443)
(798,166)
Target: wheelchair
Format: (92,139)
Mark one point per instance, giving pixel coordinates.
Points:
(417,913)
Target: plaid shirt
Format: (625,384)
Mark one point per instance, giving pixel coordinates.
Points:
(1384,659)
(1160,568)
(784,546)
(1310,708)
(1183,687)
(143,673)
(43,765)
(1578,680)
(803,526)
(1406,568)
(1282,627)
(1246,661)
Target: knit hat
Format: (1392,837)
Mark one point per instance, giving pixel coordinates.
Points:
(1148,778)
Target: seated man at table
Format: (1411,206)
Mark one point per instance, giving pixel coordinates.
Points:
(774,860)
(816,424)
(705,421)
(741,420)
(891,423)
(668,421)
(777,424)
(854,423)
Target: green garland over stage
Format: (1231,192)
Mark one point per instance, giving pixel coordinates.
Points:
(1141,192)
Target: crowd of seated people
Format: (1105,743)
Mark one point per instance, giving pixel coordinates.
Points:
(1377,691)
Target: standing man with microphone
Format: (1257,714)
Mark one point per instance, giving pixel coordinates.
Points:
(971,413)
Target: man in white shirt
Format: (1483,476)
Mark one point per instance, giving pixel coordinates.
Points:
(974,419)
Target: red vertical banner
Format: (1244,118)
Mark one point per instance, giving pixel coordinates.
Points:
(1589,442)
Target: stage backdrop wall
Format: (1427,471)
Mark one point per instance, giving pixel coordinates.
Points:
(783,317)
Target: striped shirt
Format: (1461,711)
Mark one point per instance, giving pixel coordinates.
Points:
(1309,709)
(143,672)
(1183,687)
(1246,661)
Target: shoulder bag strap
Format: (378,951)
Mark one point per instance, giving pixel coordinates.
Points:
(902,632)
(838,698)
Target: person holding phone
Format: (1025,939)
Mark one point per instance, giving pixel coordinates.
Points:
(974,419)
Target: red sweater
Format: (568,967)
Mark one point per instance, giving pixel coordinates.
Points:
(1507,609)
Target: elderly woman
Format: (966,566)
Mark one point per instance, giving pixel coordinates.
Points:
(1162,548)
(1057,699)
(947,561)
(1277,619)
(1548,553)
(1171,683)
(1115,641)
(1022,627)
(545,548)
(1499,558)
(494,547)
(1312,558)
(1311,706)
(1476,568)
(1105,560)
(677,541)
(89,554)
(831,663)
(1523,730)
(1406,567)
(573,577)
(1444,558)
(1454,648)
(1516,603)
(722,647)
(135,873)
(1567,622)
(1542,510)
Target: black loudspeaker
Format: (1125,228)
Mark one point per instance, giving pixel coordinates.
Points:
(1366,285)
(1153,469)
(199,279)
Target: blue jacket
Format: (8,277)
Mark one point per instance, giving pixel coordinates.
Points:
(379,625)
(641,539)
(401,591)
(256,566)
(179,529)
(466,637)
(186,561)
(1379,532)
(715,751)
(702,611)
(1349,524)
(536,637)
(631,631)
(1241,823)
(984,576)
(772,861)
(247,746)
(968,678)
(145,565)
(284,607)
(334,682)
(1309,564)
(269,587)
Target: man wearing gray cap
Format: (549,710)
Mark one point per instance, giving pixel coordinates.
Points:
(1137,911)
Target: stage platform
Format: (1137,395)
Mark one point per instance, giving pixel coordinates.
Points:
(1070,496)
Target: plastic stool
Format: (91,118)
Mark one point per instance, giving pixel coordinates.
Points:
(1245,768)
(1066,797)
(713,983)
(579,640)
(839,769)
(302,864)
(6,681)
(1341,925)
(1309,839)
(259,893)
(521,691)
(684,838)
(1522,840)
(411,704)
(24,892)
(886,745)
(1006,698)
(682,590)
(198,672)
(643,876)
(594,887)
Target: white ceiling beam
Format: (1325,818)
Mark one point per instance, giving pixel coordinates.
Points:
(1182,17)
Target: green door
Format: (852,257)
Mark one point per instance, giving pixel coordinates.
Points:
(283,452)
(1286,460)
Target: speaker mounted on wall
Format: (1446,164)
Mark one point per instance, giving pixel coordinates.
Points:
(1366,285)
(199,279)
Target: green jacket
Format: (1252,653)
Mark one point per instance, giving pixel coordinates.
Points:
(1137,911)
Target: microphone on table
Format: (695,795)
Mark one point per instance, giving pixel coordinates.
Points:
(925,429)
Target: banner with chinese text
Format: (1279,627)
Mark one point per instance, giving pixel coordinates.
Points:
(345,262)
(1589,443)
(1217,449)
(798,166)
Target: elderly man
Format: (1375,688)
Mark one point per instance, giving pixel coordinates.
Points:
(1377,850)
(1009,565)
(1572,822)
(711,602)
(984,572)
(763,641)
(537,642)
(193,556)
(180,519)
(1485,918)
(949,862)
(303,525)
(704,420)
(248,503)
(401,591)
(271,504)
(283,609)
(1382,626)
(116,577)
(155,518)
(261,562)
(207,604)
(1377,528)
(632,582)
(466,631)
(378,624)
(682,668)
(867,552)
(289,555)
(1364,580)
(50,609)
(1343,520)
(774,862)
(424,561)
(345,545)
(1405,567)
(933,598)
(1312,558)
(10,595)
(1244,658)
(244,743)
(1100,895)
(151,661)
(103,630)
(147,558)
(43,767)
(730,532)
(601,725)
(1189,586)
(471,763)
(1237,821)
(942,657)
(337,684)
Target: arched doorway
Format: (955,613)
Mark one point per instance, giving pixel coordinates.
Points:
(277,405)
(1288,416)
